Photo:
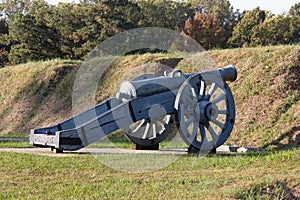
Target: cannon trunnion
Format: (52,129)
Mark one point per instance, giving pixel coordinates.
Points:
(201,104)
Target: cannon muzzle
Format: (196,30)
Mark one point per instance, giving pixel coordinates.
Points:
(228,73)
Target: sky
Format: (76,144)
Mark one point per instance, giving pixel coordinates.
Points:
(275,6)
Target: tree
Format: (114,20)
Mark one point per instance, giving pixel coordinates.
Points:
(294,15)
(83,26)
(273,31)
(223,10)
(30,40)
(295,10)
(246,27)
(38,31)
(166,13)
(3,47)
(9,8)
(205,29)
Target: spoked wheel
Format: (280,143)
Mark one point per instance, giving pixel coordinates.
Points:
(149,132)
(205,111)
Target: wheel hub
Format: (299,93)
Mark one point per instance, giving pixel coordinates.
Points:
(211,112)
(206,111)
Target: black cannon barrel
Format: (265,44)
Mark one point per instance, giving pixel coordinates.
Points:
(228,73)
(141,88)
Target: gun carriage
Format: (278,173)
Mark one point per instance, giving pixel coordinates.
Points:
(201,104)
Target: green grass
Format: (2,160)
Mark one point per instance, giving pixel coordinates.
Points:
(25,176)
(276,190)
(15,144)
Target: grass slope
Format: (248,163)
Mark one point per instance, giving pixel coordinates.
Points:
(267,95)
(267,92)
(35,94)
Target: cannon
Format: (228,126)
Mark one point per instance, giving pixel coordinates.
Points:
(200,104)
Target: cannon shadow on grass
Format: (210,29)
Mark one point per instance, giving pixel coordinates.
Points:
(289,140)
(276,190)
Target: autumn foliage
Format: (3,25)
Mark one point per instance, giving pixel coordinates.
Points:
(205,29)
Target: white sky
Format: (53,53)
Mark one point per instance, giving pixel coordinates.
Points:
(275,6)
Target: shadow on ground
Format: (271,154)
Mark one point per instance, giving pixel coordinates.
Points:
(277,190)
(289,140)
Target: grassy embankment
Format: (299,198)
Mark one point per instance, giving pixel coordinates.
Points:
(267,98)
(266,92)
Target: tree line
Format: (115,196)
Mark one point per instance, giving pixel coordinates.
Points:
(33,30)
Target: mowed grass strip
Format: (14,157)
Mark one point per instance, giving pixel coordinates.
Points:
(15,144)
(26,176)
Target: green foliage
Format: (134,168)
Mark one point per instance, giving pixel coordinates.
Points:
(40,31)
(31,40)
(166,13)
(98,20)
(245,28)
(295,10)
(33,30)
(10,8)
(3,26)
(295,23)
(259,27)
(272,31)
(3,47)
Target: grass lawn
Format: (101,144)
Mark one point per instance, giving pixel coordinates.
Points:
(15,144)
(264,175)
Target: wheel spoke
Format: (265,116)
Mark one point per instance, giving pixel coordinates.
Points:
(189,121)
(162,127)
(222,112)
(183,126)
(202,88)
(212,89)
(146,130)
(195,91)
(202,132)
(190,101)
(219,124)
(139,126)
(223,91)
(212,132)
(219,98)
(190,111)
(153,131)
(194,133)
